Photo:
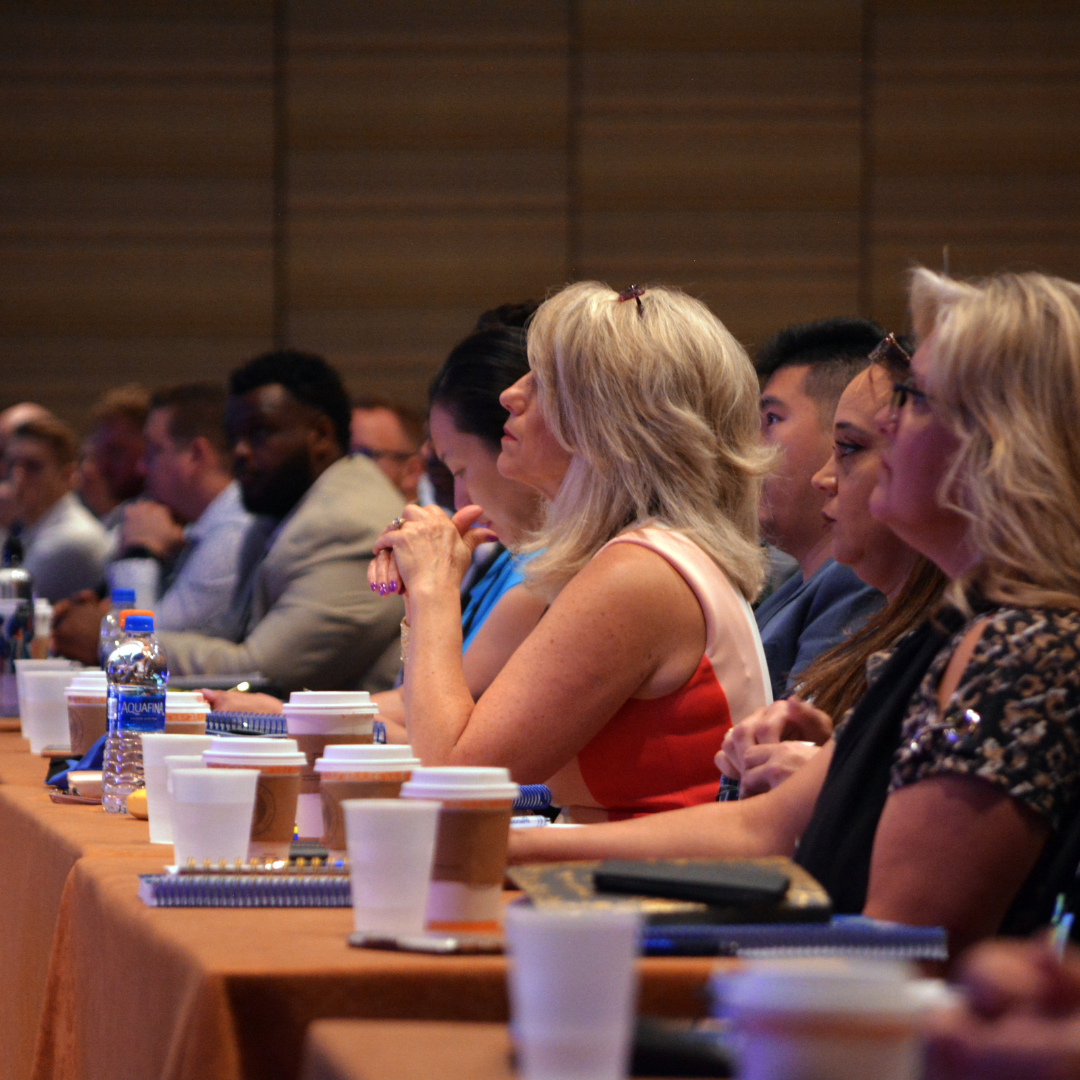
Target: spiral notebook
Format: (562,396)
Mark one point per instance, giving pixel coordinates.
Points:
(842,935)
(245,890)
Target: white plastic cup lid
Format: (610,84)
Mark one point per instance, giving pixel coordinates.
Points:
(185,701)
(92,681)
(820,985)
(373,757)
(335,698)
(460,782)
(253,751)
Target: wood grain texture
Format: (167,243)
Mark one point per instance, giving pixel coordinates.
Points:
(975,129)
(720,151)
(782,159)
(135,194)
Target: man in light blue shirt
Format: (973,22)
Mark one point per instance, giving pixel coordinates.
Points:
(193,510)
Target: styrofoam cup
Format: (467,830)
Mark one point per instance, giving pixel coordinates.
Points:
(212,811)
(53,663)
(829,1017)
(474,832)
(278,764)
(573,991)
(157,746)
(391,845)
(43,707)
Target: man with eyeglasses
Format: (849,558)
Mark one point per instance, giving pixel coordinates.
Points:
(392,436)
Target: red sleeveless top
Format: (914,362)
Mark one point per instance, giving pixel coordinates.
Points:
(657,754)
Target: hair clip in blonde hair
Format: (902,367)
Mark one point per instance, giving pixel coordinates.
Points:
(635,292)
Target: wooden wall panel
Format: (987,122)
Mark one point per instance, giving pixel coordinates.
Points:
(135,194)
(975,136)
(719,150)
(427,163)
(426,160)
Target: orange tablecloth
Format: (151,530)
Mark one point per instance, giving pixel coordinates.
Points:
(40,842)
(108,989)
(212,994)
(406,1050)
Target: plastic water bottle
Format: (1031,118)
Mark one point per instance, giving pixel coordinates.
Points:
(111,633)
(137,672)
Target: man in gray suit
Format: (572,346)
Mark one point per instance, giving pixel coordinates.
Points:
(307,615)
(304,613)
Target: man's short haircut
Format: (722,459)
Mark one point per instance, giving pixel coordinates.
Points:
(413,422)
(195,410)
(309,378)
(55,434)
(129,404)
(835,351)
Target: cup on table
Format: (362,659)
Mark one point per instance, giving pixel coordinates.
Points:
(317,719)
(172,762)
(354,771)
(823,1019)
(573,990)
(87,697)
(391,843)
(212,811)
(185,712)
(55,663)
(43,709)
(278,763)
(470,850)
(157,746)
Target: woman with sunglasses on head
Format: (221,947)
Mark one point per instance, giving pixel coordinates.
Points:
(767,747)
(951,795)
(638,423)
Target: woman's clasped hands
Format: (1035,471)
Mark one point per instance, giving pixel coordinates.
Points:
(424,549)
(771,743)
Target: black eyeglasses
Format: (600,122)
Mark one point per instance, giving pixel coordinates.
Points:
(892,356)
(902,392)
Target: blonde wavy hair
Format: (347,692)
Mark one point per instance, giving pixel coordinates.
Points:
(658,404)
(1006,379)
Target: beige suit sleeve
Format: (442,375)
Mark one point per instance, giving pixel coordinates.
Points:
(325,631)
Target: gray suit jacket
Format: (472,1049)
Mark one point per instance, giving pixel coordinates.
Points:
(312,622)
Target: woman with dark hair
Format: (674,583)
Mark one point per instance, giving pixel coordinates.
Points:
(466,427)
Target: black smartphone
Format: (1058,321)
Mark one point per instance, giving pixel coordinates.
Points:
(722,882)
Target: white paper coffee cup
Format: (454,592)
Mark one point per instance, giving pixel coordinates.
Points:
(356,771)
(824,1019)
(470,852)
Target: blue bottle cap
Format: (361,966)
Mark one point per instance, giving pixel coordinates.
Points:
(123,596)
(138,624)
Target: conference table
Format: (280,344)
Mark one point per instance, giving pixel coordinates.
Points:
(95,985)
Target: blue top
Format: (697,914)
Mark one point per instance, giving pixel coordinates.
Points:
(503,574)
(804,618)
(138,624)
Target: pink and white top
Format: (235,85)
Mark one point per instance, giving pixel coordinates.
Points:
(657,754)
